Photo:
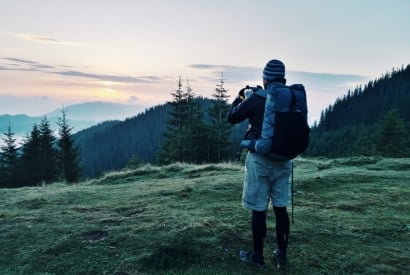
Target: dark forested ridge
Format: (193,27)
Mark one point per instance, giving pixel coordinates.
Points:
(357,123)
(110,145)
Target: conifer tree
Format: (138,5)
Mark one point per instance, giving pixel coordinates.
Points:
(173,146)
(220,129)
(8,160)
(391,141)
(185,134)
(68,154)
(48,153)
(196,131)
(30,169)
(134,162)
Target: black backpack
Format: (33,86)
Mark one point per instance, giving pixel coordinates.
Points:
(292,132)
(285,133)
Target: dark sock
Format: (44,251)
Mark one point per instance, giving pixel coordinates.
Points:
(258,231)
(282,227)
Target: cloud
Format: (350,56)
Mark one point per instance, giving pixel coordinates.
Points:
(222,68)
(245,73)
(232,73)
(210,67)
(42,66)
(322,88)
(29,65)
(327,78)
(18,60)
(33,64)
(6,68)
(133,99)
(48,40)
(112,78)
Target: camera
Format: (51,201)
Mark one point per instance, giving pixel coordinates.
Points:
(244,93)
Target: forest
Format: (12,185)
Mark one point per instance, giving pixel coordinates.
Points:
(369,121)
(43,158)
(184,129)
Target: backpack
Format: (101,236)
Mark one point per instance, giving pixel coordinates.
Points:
(285,131)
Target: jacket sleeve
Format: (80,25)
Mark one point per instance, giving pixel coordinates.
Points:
(264,144)
(242,111)
(239,110)
(277,99)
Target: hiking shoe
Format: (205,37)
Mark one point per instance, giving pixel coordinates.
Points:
(251,257)
(280,258)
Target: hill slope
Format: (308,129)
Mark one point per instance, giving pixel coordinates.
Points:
(350,126)
(108,147)
(365,106)
(351,216)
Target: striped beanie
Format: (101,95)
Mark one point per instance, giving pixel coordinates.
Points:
(274,69)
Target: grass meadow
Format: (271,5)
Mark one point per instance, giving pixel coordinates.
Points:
(351,216)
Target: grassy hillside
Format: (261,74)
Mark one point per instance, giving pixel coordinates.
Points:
(351,216)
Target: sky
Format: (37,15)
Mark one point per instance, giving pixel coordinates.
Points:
(59,53)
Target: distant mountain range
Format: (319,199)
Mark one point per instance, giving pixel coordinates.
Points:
(80,116)
(99,111)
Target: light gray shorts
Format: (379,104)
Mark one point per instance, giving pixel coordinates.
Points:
(265,178)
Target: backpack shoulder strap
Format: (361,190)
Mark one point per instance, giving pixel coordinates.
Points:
(260,92)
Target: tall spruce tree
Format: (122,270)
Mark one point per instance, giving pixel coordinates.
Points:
(220,129)
(48,152)
(173,145)
(68,154)
(30,169)
(185,133)
(196,131)
(8,160)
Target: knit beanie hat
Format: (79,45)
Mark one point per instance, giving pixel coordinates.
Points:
(274,69)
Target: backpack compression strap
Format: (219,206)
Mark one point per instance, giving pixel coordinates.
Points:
(293,101)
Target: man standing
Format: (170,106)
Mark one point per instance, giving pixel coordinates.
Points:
(265,178)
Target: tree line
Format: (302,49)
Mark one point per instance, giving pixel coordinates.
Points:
(187,128)
(192,135)
(370,120)
(42,158)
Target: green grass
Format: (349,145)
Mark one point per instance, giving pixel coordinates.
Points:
(352,216)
